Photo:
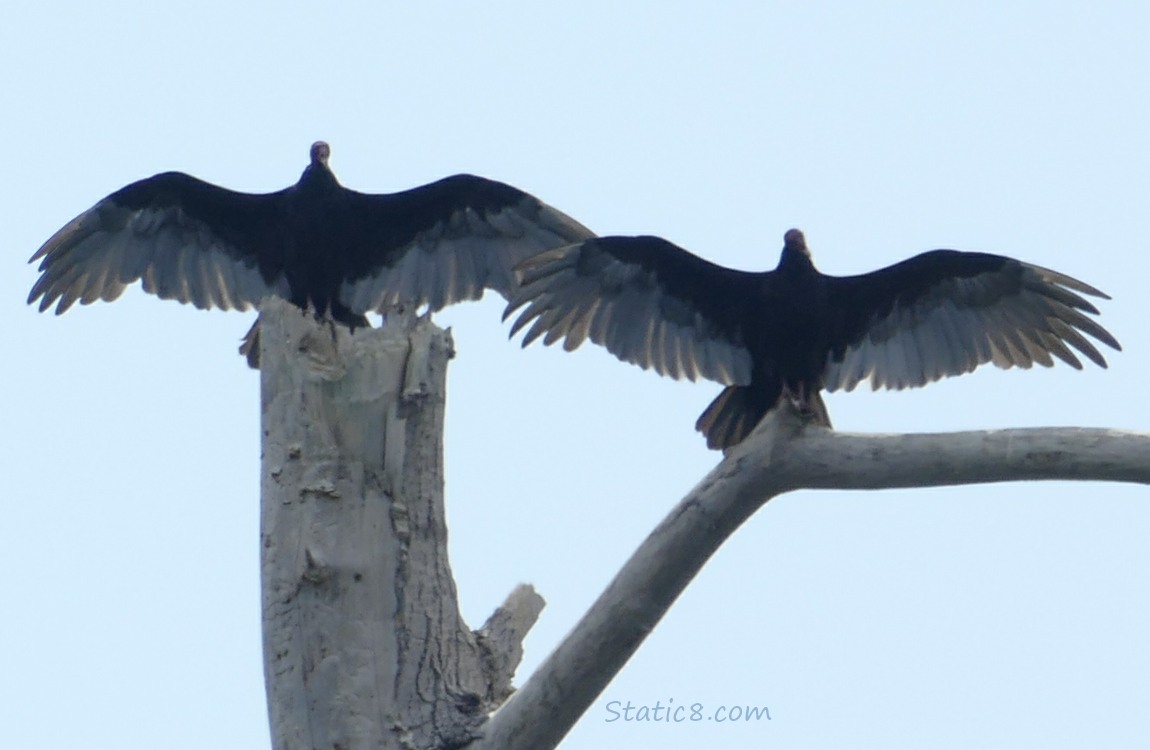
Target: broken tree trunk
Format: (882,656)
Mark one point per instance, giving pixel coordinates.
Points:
(364,646)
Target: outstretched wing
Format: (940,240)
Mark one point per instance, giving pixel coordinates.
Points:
(648,301)
(445,242)
(187,239)
(946,312)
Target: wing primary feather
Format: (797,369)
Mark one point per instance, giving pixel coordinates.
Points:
(1054,277)
(1087,325)
(677,345)
(1001,354)
(657,337)
(1059,295)
(671,350)
(915,354)
(536,330)
(215,281)
(1078,341)
(534,310)
(98,275)
(562,325)
(233,290)
(198,293)
(1019,353)
(948,350)
(68,296)
(547,263)
(600,323)
(540,327)
(1054,345)
(968,328)
(582,326)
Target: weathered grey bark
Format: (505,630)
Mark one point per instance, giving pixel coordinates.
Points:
(781,456)
(364,646)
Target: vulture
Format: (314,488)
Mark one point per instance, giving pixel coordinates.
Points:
(793,332)
(317,244)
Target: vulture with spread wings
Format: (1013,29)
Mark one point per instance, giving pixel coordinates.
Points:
(316,244)
(793,331)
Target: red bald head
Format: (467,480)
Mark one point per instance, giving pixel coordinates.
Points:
(320,153)
(794,241)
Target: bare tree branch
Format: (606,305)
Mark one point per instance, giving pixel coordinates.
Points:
(781,456)
(501,639)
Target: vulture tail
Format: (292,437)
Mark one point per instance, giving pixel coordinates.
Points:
(732,416)
(738,410)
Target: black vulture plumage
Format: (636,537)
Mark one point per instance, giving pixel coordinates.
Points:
(794,331)
(317,244)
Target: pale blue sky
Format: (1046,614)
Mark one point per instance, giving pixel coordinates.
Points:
(1001,616)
